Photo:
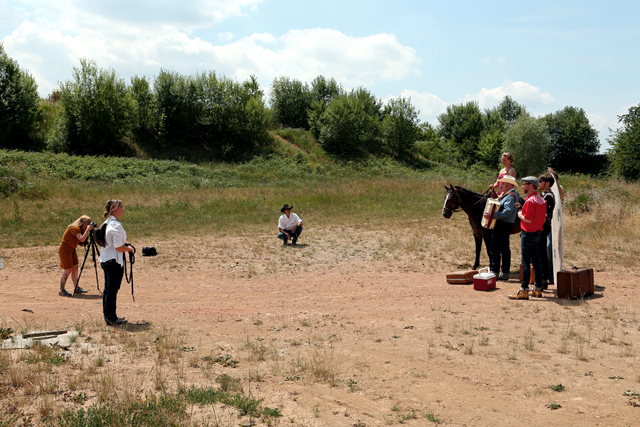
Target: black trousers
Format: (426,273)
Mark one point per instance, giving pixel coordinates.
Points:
(113,273)
(500,250)
(544,257)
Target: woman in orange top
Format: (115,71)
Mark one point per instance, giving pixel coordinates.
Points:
(76,232)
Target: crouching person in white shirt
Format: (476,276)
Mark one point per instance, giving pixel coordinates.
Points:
(289,226)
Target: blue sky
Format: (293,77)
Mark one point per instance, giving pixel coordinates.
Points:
(546,55)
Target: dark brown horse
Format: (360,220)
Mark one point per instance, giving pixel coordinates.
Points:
(472,204)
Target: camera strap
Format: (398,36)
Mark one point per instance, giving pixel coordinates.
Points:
(132,260)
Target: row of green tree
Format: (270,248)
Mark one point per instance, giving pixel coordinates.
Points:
(210,116)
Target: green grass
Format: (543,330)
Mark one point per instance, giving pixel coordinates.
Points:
(53,190)
(163,411)
(246,405)
(165,199)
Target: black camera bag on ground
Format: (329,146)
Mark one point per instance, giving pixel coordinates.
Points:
(149,251)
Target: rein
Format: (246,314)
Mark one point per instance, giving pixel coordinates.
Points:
(459,208)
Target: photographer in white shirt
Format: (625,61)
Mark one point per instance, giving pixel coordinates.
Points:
(112,260)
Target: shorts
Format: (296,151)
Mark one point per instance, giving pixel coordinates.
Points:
(68,256)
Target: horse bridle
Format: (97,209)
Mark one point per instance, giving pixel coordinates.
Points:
(450,211)
(459,208)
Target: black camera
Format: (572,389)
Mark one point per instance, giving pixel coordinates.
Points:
(92,223)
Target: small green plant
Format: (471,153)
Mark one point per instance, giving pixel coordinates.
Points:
(557,387)
(229,384)
(553,406)
(353,385)
(226,361)
(405,417)
(271,412)
(433,418)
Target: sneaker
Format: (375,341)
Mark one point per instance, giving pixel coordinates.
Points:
(80,290)
(284,242)
(545,285)
(536,293)
(520,295)
(504,277)
(64,293)
(294,242)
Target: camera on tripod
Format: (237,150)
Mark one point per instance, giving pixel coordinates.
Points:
(89,237)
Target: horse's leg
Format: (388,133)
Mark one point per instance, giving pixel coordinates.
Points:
(478,239)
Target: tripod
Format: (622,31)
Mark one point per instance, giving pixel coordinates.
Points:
(92,246)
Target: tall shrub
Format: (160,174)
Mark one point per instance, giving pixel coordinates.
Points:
(351,123)
(290,102)
(625,143)
(574,142)
(18,105)
(400,126)
(528,141)
(96,114)
(462,126)
(323,90)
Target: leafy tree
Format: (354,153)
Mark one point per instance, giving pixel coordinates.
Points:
(145,104)
(177,109)
(625,143)
(253,87)
(290,102)
(574,142)
(509,110)
(351,123)
(426,132)
(211,113)
(96,114)
(461,126)
(18,105)
(400,126)
(528,141)
(232,116)
(490,148)
(323,90)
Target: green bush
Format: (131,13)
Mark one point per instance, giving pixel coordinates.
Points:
(96,113)
(400,126)
(351,123)
(625,143)
(18,105)
(290,102)
(581,204)
(528,141)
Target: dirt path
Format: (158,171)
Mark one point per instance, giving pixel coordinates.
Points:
(396,340)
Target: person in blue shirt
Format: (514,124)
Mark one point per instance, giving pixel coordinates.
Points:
(505,217)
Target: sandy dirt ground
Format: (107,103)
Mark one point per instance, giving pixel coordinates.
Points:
(400,345)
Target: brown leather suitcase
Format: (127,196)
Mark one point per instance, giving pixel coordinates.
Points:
(461,277)
(575,283)
(532,279)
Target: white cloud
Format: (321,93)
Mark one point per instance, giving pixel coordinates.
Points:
(226,36)
(49,48)
(522,92)
(430,105)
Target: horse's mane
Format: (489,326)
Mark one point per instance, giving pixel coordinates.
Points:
(478,195)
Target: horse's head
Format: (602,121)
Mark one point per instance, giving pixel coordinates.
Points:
(451,202)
